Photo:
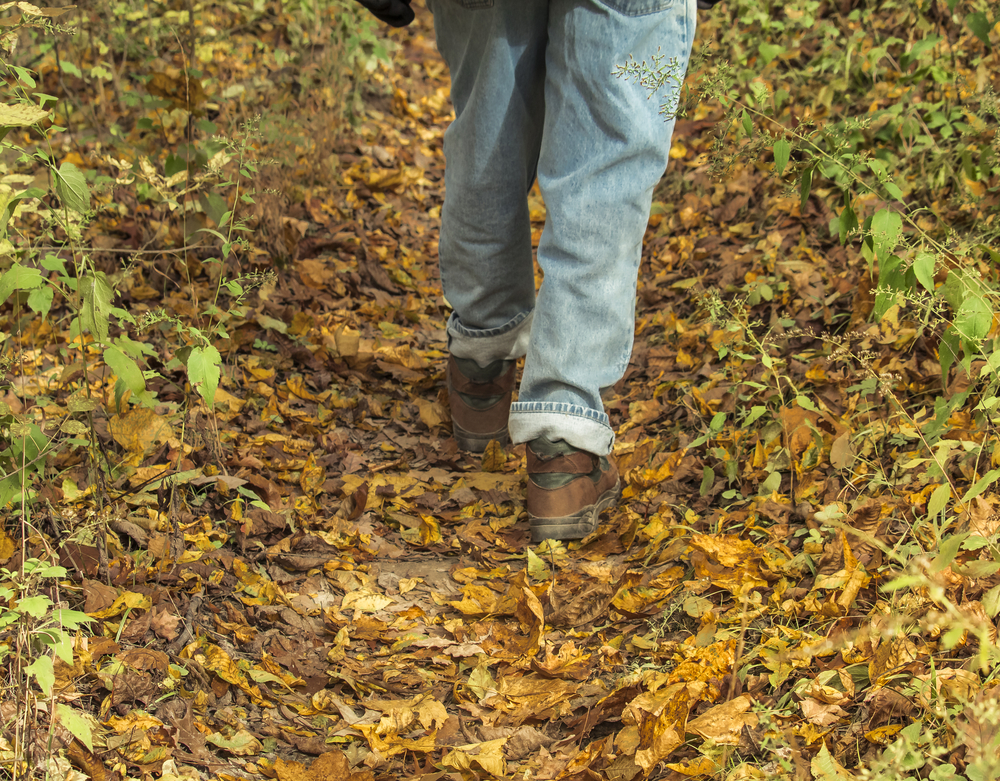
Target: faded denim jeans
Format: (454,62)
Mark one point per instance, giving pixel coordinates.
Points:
(535,94)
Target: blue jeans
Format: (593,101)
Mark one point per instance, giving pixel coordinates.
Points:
(535,93)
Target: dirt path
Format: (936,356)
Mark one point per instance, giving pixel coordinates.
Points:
(385,616)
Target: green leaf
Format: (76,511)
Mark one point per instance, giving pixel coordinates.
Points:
(97,294)
(847,223)
(8,203)
(948,352)
(204,372)
(72,619)
(19,277)
(981,485)
(980,26)
(894,191)
(126,369)
(42,670)
(481,683)
(241,743)
(272,324)
(707,480)
(921,46)
(536,567)
(54,263)
(939,500)
(755,412)
(806,187)
(974,318)
(747,124)
(782,151)
(891,280)
(944,773)
(72,189)
(991,601)
(759,91)
(63,648)
(923,268)
(824,767)
(214,206)
(953,289)
(40,300)
(806,403)
(77,724)
(35,606)
(768,51)
(948,550)
(771,483)
(887,226)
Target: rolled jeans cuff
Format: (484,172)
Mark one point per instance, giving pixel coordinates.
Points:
(580,427)
(506,343)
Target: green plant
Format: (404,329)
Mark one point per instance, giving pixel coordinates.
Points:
(39,279)
(37,633)
(936,271)
(884,118)
(36,622)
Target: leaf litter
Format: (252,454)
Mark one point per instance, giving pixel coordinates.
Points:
(312,582)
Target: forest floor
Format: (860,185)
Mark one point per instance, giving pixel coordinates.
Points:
(379,611)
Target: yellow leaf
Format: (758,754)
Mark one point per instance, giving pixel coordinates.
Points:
(7,546)
(125,600)
(883,736)
(312,478)
(697,767)
(431,713)
(365,601)
(347,340)
(493,457)
(476,601)
(218,661)
(431,413)
(727,549)
(296,385)
(487,757)
(661,719)
(134,722)
(138,430)
(226,404)
(406,585)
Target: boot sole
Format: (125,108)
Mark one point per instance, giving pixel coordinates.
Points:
(579,524)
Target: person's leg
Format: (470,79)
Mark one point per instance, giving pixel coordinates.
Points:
(496,56)
(604,147)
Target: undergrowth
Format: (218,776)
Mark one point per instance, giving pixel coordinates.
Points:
(179,167)
(885,116)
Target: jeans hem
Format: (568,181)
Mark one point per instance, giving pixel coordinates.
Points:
(582,428)
(506,343)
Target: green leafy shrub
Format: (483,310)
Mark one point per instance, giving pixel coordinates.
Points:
(877,124)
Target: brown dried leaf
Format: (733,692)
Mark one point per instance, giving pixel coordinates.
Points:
(724,723)
(583,608)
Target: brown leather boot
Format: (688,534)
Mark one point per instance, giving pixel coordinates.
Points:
(567,490)
(480,401)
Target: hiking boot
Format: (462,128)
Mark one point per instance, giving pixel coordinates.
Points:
(480,397)
(568,489)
